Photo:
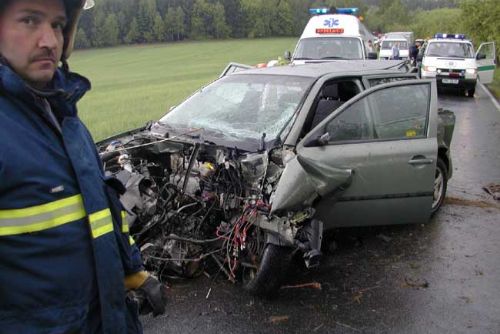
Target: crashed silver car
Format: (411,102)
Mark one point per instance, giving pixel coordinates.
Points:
(258,164)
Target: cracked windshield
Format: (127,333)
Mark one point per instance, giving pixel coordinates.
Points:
(242,106)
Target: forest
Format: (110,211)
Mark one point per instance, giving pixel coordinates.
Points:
(116,22)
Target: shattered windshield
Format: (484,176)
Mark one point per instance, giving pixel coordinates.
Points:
(450,49)
(329,48)
(242,106)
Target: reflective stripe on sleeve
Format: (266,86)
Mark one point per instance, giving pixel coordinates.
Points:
(125,226)
(101,223)
(131,240)
(41,217)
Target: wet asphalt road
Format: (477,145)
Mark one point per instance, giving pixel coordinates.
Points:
(441,277)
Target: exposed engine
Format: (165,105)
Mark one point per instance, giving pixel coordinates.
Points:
(192,206)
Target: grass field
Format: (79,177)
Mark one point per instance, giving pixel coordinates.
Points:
(495,85)
(134,84)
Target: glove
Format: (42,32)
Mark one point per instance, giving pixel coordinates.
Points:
(155,295)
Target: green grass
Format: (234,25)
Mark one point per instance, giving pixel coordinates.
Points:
(134,84)
(495,85)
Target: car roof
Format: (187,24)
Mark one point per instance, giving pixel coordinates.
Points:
(342,68)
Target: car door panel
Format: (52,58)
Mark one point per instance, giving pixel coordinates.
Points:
(386,187)
(392,179)
(486,66)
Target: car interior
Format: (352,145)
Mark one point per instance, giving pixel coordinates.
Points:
(332,96)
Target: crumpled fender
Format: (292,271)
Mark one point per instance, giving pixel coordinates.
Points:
(304,179)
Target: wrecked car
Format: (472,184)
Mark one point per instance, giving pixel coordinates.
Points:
(257,165)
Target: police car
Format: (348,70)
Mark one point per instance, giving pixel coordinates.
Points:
(333,36)
(450,58)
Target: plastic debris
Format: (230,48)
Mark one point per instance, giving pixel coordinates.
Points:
(313,285)
(276,319)
(416,283)
(493,190)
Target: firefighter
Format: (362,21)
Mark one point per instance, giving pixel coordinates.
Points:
(66,257)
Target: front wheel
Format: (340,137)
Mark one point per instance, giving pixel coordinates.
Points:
(440,185)
(268,272)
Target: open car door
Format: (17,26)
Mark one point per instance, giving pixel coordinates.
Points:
(486,64)
(234,67)
(386,137)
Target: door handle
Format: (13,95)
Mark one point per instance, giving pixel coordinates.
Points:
(420,160)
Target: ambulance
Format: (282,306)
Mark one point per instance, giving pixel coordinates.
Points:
(451,60)
(333,36)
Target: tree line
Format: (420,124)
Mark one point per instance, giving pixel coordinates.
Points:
(115,22)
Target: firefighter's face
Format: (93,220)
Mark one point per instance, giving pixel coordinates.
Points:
(31,38)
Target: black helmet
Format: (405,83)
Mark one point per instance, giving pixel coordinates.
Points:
(73,11)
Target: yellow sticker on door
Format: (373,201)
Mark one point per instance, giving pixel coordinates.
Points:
(411,133)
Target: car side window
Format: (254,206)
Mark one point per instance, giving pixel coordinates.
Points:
(392,113)
(352,124)
(383,80)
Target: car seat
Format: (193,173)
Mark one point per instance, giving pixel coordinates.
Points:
(327,104)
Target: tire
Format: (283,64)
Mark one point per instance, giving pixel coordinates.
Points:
(266,279)
(471,92)
(440,185)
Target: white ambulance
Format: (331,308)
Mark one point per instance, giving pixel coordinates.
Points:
(334,36)
(450,59)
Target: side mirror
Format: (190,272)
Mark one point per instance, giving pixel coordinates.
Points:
(324,139)
(287,55)
(372,55)
(480,56)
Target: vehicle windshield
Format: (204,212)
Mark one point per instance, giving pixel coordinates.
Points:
(329,48)
(242,106)
(387,45)
(449,49)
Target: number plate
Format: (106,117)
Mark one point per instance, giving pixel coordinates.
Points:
(450,81)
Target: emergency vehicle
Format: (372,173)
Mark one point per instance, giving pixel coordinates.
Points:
(450,58)
(334,36)
(388,43)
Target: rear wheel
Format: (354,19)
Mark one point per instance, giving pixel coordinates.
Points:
(264,271)
(440,185)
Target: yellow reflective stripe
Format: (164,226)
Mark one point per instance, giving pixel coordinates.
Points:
(40,209)
(101,223)
(125,227)
(131,240)
(41,217)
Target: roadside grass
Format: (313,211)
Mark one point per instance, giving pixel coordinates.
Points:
(494,87)
(134,84)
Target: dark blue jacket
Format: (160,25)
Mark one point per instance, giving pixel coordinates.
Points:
(64,249)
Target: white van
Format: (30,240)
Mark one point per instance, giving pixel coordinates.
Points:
(334,36)
(388,43)
(452,61)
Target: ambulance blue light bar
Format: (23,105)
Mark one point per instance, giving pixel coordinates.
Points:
(348,11)
(451,36)
(319,11)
